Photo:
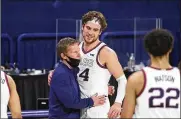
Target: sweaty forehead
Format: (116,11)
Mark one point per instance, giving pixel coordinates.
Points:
(93,25)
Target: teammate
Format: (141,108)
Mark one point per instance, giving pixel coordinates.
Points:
(98,63)
(9,97)
(154,92)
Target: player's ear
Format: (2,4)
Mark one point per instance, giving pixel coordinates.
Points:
(170,50)
(82,27)
(168,53)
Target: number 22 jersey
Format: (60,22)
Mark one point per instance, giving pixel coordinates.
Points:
(160,97)
(93,78)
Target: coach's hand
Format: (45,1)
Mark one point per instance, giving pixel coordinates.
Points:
(115,110)
(98,100)
(50,76)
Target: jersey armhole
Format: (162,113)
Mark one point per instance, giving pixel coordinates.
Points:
(97,58)
(144,84)
(7,82)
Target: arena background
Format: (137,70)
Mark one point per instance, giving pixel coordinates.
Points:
(31,28)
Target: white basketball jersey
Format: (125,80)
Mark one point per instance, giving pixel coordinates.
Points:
(93,78)
(161,94)
(5,95)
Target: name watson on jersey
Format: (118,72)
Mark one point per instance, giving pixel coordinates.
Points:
(164,78)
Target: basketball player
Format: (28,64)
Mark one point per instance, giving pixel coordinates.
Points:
(154,92)
(9,97)
(98,63)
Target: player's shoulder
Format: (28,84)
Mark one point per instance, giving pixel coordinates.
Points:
(8,77)
(136,78)
(137,74)
(10,82)
(107,51)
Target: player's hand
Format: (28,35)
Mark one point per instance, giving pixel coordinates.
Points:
(115,110)
(98,100)
(111,90)
(50,76)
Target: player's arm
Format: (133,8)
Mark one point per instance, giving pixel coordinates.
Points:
(133,87)
(115,68)
(14,101)
(50,76)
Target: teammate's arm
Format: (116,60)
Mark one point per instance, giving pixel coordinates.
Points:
(133,88)
(129,101)
(14,102)
(115,68)
(50,76)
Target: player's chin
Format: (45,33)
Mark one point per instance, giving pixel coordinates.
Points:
(90,41)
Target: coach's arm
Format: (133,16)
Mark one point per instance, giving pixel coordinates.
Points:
(65,92)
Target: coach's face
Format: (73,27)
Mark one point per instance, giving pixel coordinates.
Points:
(91,32)
(72,55)
(73,51)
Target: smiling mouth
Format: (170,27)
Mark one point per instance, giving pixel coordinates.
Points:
(89,37)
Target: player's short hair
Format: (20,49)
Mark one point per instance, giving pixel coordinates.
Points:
(63,45)
(158,42)
(95,14)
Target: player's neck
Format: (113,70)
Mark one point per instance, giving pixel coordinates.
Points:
(161,62)
(88,46)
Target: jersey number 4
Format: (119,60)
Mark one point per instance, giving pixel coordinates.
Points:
(161,95)
(85,74)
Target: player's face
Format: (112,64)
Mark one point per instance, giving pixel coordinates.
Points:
(91,32)
(73,51)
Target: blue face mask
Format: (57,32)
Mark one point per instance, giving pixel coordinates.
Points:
(73,62)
